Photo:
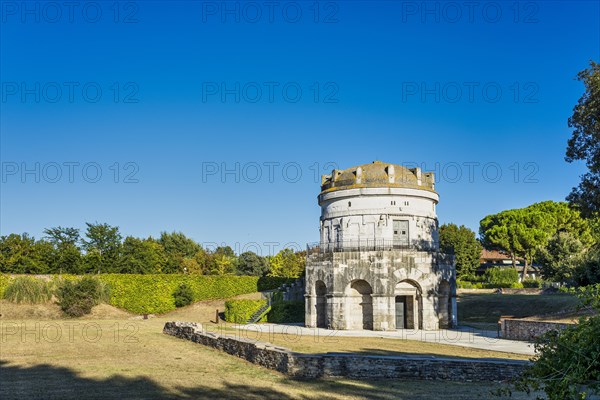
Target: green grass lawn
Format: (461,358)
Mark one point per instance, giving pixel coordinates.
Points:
(484,310)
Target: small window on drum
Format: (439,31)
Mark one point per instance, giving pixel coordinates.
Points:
(349,204)
(393,203)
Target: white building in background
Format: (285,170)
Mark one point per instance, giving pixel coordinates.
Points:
(377,265)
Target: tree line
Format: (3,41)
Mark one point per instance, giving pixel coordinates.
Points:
(102,249)
(553,235)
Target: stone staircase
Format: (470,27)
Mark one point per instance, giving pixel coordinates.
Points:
(259,314)
(293,291)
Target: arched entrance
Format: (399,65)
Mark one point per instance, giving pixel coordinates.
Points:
(359,305)
(444,305)
(409,310)
(321,304)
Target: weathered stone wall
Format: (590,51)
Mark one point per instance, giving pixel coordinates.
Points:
(522,329)
(384,271)
(404,367)
(349,365)
(261,353)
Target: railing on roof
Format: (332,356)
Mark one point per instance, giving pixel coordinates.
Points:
(370,245)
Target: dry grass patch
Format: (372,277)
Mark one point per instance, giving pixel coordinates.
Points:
(99,359)
(204,311)
(484,310)
(52,311)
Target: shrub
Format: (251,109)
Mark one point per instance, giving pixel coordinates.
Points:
(503,277)
(566,363)
(532,283)
(472,278)
(470,285)
(78,298)
(568,290)
(239,311)
(464,284)
(183,296)
(286,312)
(26,289)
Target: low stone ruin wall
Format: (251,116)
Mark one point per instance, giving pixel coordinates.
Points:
(531,291)
(522,329)
(334,365)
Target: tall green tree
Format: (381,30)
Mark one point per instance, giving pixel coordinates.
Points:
(221,264)
(534,234)
(588,271)
(287,264)
(62,236)
(562,217)
(67,256)
(250,263)
(22,254)
(104,242)
(142,256)
(519,232)
(584,144)
(527,232)
(463,244)
(178,247)
(561,257)
(501,231)
(225,250)
(570,238)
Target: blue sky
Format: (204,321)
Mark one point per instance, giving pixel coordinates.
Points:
(217,118)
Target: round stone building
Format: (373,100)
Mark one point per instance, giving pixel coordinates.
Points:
(378,265)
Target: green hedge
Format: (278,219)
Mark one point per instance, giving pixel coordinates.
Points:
(286,312)
(532,283)
(493,278)
(501,276)
(482,285)
(153,294)
(239,311)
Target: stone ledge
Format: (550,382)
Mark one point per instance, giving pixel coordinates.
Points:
(528,330)
(355,366)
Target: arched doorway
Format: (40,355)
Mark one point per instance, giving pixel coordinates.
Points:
(444,305)
(409,310)
(359,305)
(321,304)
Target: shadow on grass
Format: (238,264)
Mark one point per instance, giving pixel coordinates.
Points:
(49,382)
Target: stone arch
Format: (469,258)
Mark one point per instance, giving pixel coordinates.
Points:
(445,304)
(409,305)
(359,305)
(321,303)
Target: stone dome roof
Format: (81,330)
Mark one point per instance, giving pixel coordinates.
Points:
(378,174)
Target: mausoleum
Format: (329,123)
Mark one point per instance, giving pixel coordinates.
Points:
(378,265)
